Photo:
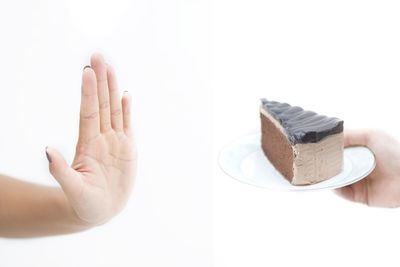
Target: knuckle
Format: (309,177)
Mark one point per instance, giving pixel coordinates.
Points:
(106,125)
(90,116)
(116,112)
(104,105)
(102,80)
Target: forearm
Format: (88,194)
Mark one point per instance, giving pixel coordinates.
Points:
(30,210)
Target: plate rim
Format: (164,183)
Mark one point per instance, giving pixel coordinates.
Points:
(289,189)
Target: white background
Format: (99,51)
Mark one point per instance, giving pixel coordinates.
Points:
(160,50)
(339,58)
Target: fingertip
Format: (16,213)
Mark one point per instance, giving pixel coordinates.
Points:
(126,99)
(49,150)
(87,70)
(346,192)
(338,191)
(99,66)
(48,155)
(97,59)
(110,69)
(89,83)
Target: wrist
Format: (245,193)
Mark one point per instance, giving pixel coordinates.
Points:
(70,215)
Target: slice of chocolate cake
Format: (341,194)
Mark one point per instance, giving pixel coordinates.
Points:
(305,147)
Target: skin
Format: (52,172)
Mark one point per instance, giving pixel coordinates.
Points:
(98,183)
(381,188)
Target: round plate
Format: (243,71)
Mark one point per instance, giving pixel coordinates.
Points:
(245,161)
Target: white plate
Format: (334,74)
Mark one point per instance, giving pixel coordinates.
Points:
(245,161)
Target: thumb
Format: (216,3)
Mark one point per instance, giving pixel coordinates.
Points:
(356,137)
(61,171)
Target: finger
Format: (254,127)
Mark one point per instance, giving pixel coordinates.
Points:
(354,137)
(89,125)
(99,67)
(115,100)
(357,192)
(346,192)
(126,111)
(67,177)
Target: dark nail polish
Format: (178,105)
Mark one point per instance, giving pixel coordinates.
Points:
(87,66)
(47,155)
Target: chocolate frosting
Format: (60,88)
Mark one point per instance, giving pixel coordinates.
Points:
(302,126)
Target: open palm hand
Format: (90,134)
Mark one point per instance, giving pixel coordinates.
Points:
(101,177)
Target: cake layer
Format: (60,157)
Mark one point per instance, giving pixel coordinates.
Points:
(275,146)
(301,163)
(302,126)
(316,162)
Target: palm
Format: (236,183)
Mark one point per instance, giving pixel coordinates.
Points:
(104,166)
(100,179)
(384,182)
(382,187)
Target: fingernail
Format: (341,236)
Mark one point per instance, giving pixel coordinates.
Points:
(87,66)
(47,155)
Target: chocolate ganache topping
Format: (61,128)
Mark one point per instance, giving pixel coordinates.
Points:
(302,126)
